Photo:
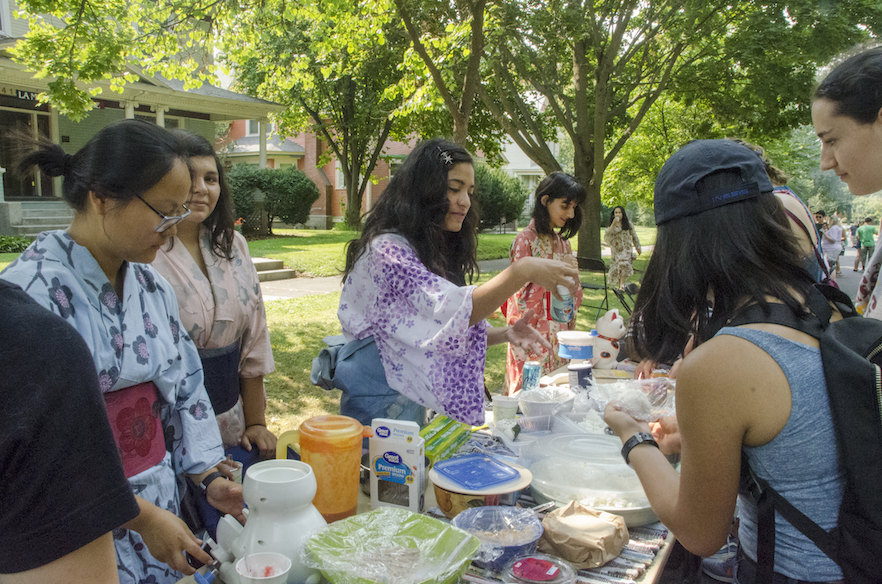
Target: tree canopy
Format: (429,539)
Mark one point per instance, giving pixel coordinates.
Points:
(600,73)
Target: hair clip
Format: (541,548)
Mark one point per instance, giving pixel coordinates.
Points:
(446,158)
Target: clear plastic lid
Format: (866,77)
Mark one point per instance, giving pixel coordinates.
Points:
(538,569)
(583,467)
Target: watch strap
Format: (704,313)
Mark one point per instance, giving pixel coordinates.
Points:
(636,440)
(210,478)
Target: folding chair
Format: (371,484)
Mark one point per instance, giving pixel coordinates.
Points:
(595,265)
(626,296)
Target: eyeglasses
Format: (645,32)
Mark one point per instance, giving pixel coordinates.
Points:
(167,220)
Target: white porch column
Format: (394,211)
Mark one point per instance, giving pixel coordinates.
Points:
(160,114)
(55,136)
(261,129)
(130,109)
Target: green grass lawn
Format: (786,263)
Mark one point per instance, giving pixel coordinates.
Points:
(322,253)
(6,259)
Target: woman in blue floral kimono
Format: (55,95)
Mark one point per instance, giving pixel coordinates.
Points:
(417,332)
(129,187)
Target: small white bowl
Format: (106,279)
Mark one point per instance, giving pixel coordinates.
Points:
(546,401)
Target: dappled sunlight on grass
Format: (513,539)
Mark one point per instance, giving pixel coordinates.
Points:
(297,327)
(6,259)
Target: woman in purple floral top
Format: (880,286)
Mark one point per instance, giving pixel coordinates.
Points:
(405,286)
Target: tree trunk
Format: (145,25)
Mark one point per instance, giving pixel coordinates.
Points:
(353,207)
(589,232)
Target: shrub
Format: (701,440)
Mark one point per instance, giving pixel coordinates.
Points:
(289,194)
(499,195)
(14,243)
(244,181)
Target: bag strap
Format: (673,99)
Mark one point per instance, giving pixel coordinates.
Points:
(768,500)
(813,323)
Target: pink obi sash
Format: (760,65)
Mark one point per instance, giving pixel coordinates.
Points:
(137,430)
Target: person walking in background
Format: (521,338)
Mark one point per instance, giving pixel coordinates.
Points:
(867,236)
(821,221)
(218,291)
(622,240)
(856,244)
(847,115)
(831,243)
(556,207)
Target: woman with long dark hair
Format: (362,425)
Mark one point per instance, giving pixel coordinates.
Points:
(415,326)
(724,245)
(621,237)
(556,207)
(129,187)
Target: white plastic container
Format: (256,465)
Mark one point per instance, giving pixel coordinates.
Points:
(576,344)
(546,401)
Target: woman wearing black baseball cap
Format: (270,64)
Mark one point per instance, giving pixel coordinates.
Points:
(724,243)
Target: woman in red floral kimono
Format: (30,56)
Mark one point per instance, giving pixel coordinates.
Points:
(556,207)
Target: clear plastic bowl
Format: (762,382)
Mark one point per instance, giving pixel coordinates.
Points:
(587,468)
(546,401)
(505,533)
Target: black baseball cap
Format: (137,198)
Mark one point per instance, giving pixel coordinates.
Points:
(676,194)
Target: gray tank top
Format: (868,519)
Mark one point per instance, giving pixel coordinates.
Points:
(801,462)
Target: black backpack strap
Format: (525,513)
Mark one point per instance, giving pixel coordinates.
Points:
(768,500)
(758,491)
(812,323)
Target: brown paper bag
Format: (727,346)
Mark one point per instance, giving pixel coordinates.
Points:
(583,536)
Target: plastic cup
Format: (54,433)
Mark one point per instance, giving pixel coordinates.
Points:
(505,407)
(264,568)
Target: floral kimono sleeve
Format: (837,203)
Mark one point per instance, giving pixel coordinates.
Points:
(420,322)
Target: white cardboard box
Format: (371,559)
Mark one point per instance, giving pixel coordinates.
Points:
(397,463)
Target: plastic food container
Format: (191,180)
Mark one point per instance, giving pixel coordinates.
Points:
(453,498)
(589,422)
(576,344)
(587,468)
(505,533)
(538,569)
(391,545)
(546,401)
(531,429)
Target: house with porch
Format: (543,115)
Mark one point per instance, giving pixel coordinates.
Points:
(31,204)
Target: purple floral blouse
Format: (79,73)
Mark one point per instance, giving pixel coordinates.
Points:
(420,322)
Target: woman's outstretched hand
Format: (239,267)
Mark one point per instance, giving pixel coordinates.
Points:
(524,336)
(549,274)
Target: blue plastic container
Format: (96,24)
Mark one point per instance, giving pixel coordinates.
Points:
(505,533)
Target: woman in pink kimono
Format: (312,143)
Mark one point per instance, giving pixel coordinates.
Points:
(209,267)
(556,206)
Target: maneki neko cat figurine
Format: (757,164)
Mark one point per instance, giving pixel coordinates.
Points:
(610,328)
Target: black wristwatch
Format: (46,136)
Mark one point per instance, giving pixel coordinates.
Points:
(636,440)
(210,478)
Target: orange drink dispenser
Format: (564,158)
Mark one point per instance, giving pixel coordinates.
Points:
(331,445)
